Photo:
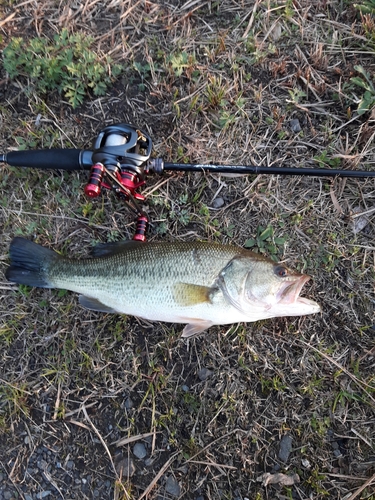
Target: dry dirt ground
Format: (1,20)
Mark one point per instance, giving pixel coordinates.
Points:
(105,406)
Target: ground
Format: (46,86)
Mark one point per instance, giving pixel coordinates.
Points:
(103,406)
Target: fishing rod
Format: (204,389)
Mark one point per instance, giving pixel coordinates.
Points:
(121,159)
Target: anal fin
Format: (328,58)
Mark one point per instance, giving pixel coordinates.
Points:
(198,326)
(94,304)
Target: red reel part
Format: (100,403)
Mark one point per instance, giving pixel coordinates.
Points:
(131,181)
(140,232)
(93,187)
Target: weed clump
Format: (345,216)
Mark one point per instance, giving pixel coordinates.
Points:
(66,64)
(367,101)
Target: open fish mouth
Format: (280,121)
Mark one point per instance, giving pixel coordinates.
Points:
(289,291)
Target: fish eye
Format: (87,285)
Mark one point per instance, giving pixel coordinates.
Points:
(281,271)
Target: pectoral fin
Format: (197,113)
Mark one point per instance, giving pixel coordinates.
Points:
(194,328)
(94,304)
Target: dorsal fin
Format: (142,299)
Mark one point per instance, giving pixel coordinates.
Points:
(107,249)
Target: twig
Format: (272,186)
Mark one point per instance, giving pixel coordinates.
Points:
(7,19)
(57,402)
(20,492)
(248,27)
(359,214)
(357,382)
(158,475)
(99,436)
(361,488)
(344,476)
(361,437)
(215,441)
(131,439)
(213,464)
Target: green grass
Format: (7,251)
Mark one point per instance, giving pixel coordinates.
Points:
(66,64)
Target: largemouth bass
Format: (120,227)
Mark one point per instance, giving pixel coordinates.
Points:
(195,283)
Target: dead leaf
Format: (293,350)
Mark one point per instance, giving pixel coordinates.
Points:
(335,200)
(276,32)
(359,222)
(278,478)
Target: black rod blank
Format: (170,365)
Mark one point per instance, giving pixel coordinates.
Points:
(252,169)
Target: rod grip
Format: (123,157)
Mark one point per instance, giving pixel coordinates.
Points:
(56,159)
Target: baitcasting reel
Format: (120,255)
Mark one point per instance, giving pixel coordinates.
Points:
(120,157)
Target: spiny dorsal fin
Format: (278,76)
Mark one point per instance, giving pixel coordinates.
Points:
(107,249)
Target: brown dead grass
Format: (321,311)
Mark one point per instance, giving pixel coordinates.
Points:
(67,374)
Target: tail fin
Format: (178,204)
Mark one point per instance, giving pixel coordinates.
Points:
(29,263)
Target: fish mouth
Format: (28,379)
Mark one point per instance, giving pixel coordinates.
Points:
(289,291)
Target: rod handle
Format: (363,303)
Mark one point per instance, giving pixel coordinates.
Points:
(56,159)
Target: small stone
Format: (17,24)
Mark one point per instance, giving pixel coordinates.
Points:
(204,374)
(185,388)
(28,497)
(172,487)
(306,463)
(218,202)
(125,467)
(285,447)
(337,453)
(43,494)
(7,495)
(139,450)
(129,404)
(42,464)
(295,125)
(69,465)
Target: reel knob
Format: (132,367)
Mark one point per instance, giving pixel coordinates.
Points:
(93,187)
